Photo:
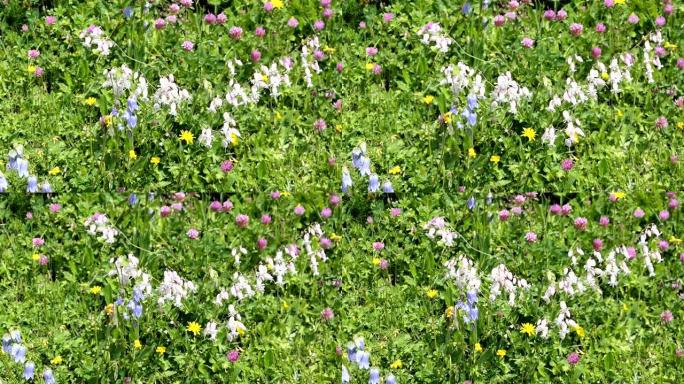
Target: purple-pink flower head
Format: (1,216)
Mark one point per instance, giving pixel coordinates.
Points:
(209,18)
(555,209)
(600,28)
(216,206)
(395,212)
(527,42)
(604,221)
(266,219)
(510,15)
(370,51)
(327,314)
(663,245)
(574,357)
(193,233)
(43,260)
(576,29)
(299,210)
(597,244)
(668,9)
(639,213)
(159,23)
(221,18)
(666,317)
(335,200)
(260,32)
(175,8)
(262,243)
(499,20)
(227,206)
(54,208)
(633,18)
(339,67)
(325,243)
(664,215)
(319,25)
(631,253)
(38,242)
(255,56)
(165,211)
(226,166)
(50,20)
(171,19)
(319,125)
(188,45)
(377,69)
(567,164)
(680,65)
(673,203)
(242,220)
(504,214)
(550,15)
(318,55)
(531,237)
(233,356)
(581,223)
(362,25)
(378,245)
(609,3)
(660,21)
(177,206)
(268,6)
(292,22)
(33,53)
(325,3)
(328,13)
(596,52)
(384,264)
(561,15)
(661,122)
(235,33)
(517,211)
(275,195)
(387,17)
(326,212)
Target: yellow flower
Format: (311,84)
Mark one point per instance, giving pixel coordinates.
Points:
(376,261)
(478,347)
(449,312)
(96,290)
(90,101)
(160,350)
(194,328)
(241,331)
(285,305)
(35,257)
(397,364)
(338,128)
(57,360)
(54,171)
(155,160)
(31,69)
(625,307)
(335,237)
(186,136)
(529,133)
(579,330)
(619,195)
(670,46)
(471,153)
(447,117)
(137,344)
(327,49)
(680,125)
(428,99)
(369,66)
(495,159)
(264,78)
(501,353)
(286,193)
(395,170)
(527,328)
(619,113)
(109,309)
(675,240)
(278,4)
(620,2)
(233,139)
(278,116)
(108,120)
(431,294)
(605,76)
(132,155)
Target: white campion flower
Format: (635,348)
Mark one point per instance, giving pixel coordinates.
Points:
(236,252)
(241,288)
(549,136)
(94,36)
(206,137)
(508,91)
(170,95)
(210,331)
(464,274)
(572,130)
(432,33)
(503,280)
(542,328)
(461,78)
(174,288)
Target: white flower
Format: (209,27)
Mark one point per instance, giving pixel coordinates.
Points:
(432,33)
(94,36)
(174,288)
(508,91)
(549,136)
(170,95)
(206,137)
(210,331)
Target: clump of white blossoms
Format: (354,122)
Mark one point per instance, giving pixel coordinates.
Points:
(99,224)
(572,130)
(308,61)
(437,226)
(174,288)
(464,274)
(461,78)
(564,321)
(503,280)
(508,91)
(126,269)
(234,324)
(271,78)
(432,33)
(650,255)
(314,253)
(123,79)
(240,288)
(170,95)
(94,36)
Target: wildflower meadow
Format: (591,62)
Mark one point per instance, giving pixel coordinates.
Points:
(373,192)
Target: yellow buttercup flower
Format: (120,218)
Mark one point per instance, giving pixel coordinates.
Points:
(90,101)
(264,78)
(501,353)
(376,261)
(327,49)
(605,76)
(471,152)
(186,136)
(241,331)
(57,360)
(447,117)
(431,294)
(132,155)
(137,344)
(619,113)
(338,128)
(449,312)
(96,290)
(109,309)
(160,350)
(278,4)
(528,329)
(108,120)
(233,139)
(278,116)
(369,66)
(335,237)
(396,364)
(155,160)
(35,257)
(395,170)
(428,99)
(194,328)
(675,241)
(285,305)
(495,159)
(579,330)
(680,125)
(619,195)
(478,347)
(529,133)
(620,2)
(54,171)
(31,69)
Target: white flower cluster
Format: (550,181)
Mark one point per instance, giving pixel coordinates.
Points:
(314,231)
(170,95)
(123,79)
(280,267)
(437,226)
(126,270)
(650,255)
(572,129)
(432,33)
(99,224)
(94,36)
(271,78)
(240,288)
(564,321)
(503,280)
(464,274)
(230,134)
(461,78)
(174,288)
(308,62)
(508,91)
(235,325)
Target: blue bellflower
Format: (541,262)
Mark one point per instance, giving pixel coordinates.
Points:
(128,12)
(374,377)
(471,203)
(390,379)
(373,183)
(3,183)
(29,370)
(32,185)
(345,375)
(45,187)
(48,376)
(346,180)
(387,187)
